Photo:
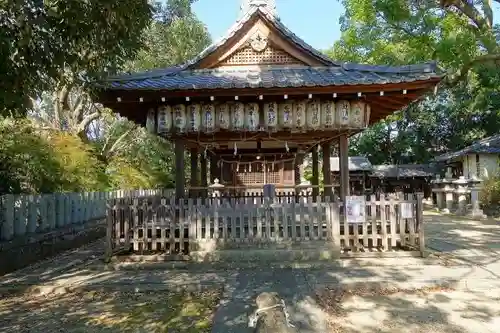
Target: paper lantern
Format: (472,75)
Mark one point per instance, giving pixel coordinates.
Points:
(357,116)
(314,114)
(343,110)
(238,116)
(286,114)
(150,121)
(164,119)
(299,114)
(271,115)
(194,117)
(367,114)
(252,118)
(208,117)
(179,118)
(328,114)
(223,116)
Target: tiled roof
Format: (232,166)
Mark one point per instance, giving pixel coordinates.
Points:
(356,163)
(403,170)
(176,78)
(186,77)
(489,145)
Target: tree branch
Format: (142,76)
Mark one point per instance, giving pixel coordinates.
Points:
(83,125)
(468,9)
(466,67)
(118,141)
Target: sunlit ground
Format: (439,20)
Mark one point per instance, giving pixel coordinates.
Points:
(159,311)
(427,310)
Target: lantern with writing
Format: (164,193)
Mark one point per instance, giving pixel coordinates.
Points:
(314,114)
(164,119)
(357,116)
(328,114)
(286,114)
(150,121)
(343,110)
(271,115)
(179,118)
(367,114)
(194,111)
(208,117)
(238,116)
(252,116)
(223,116)
(299,114)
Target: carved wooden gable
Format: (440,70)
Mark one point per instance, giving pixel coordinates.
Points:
(269,56)
(257,42)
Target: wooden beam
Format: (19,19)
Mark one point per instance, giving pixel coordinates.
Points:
(194,169)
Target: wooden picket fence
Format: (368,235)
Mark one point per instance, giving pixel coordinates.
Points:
(164,224)
(22,215)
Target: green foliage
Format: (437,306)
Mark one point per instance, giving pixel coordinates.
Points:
(490,192)
(45,44)
(176,36)
(460,36)
(35,162)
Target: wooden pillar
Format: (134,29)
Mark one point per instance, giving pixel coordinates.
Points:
(344,167)
(179,168)
(327,174)
(203,174)
(194,172)
(214,168)
(315,172)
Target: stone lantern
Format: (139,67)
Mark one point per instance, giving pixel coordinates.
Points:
(475,188)
(438,190)
(216,189)
(462,191)
(448,191)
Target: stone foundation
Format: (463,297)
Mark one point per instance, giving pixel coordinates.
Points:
(24,251)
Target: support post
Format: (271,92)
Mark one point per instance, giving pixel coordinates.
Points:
(327,174)
(214,168)
(203,173)
(344,167)
(315,173)
(179,168)
(194,172)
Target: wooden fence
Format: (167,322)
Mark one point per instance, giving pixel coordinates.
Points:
(22,215)
(179,226)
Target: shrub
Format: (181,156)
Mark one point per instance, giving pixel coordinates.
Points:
(490,192)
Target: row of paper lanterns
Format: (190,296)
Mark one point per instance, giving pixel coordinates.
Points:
(237,116)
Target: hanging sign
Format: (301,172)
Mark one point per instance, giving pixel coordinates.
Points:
(328,114)
(150,121)
(238,115)
(179,117)
(355,208)
(314,114)
(252,116)
(208,117)
(286,114)
(223,116)
(299,114)
(271,115)
(406,209)
(164,119)
(343,110)
(357,114)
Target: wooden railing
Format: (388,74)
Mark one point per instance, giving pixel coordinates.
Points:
(181,226)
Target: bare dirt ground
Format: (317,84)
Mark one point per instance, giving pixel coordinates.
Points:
(97,311)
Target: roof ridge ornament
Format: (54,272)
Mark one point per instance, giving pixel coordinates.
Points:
(250,5)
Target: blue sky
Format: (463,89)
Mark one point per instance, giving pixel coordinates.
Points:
(315,21)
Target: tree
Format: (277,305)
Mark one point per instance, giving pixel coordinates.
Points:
(54,45)
(401,32)
(459,34)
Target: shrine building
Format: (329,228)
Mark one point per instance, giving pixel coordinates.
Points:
(251,105)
